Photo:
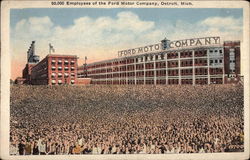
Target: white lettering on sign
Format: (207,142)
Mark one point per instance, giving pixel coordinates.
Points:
(171,45)
(145,49)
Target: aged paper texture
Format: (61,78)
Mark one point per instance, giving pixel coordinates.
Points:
(124,80)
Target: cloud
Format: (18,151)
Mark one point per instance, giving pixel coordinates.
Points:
(87,36)
(34,26)
(104,31)
(228,28)
(223,23)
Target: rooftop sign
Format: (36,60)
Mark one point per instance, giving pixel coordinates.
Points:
(167,44)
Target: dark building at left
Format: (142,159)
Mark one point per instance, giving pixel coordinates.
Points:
(32,60)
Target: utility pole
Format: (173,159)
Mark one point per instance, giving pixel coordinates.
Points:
(85,67)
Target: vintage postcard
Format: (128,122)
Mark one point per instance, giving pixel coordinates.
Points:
(124,80)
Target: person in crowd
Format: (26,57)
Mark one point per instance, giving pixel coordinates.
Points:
(13,148)
(42,148)
(21,147)
(28,148)
(35,150)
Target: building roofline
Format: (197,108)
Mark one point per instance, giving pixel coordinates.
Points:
(61,55)
(231,41)
(51,55)
(157,52)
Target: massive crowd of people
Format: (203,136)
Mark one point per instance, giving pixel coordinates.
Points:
(151,119)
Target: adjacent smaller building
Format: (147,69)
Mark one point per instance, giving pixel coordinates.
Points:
(20,80)
(83,81)
(232,61)
(27,72)
(55,70)
(32,60)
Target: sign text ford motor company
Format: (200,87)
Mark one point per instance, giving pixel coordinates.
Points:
(167,44)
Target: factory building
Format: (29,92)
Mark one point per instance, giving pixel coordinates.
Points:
(190,61)
(55,70)
(196,61)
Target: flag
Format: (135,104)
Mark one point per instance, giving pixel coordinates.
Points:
(51,48)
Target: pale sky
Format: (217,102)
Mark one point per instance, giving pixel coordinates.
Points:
(100,33)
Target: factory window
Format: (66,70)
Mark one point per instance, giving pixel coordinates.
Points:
(59,81)
(53,61)
(53,68)
(151,58)
(59,68)
(66,74)
(59,61)
(72,68)
(139,66)
(66,62)
(211,51)
(72,62)
(220,60)
(53,75)
(59,74)
(66,68)
(216,61)
(162,56)
(220,50)
(53,82)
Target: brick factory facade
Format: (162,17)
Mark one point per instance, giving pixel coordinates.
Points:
(193,61)
(55,69)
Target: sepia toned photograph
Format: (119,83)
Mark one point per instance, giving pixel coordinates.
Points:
(126,80)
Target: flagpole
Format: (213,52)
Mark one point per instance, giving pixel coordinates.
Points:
(85,67)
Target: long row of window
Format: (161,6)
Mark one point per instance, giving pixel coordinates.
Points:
(54,82)
(66,62)
(161,56)
(171,64)
(53,75)
(159,73)
(53,68)
(199,81)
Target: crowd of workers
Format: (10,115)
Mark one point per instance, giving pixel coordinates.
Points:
(151,119)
